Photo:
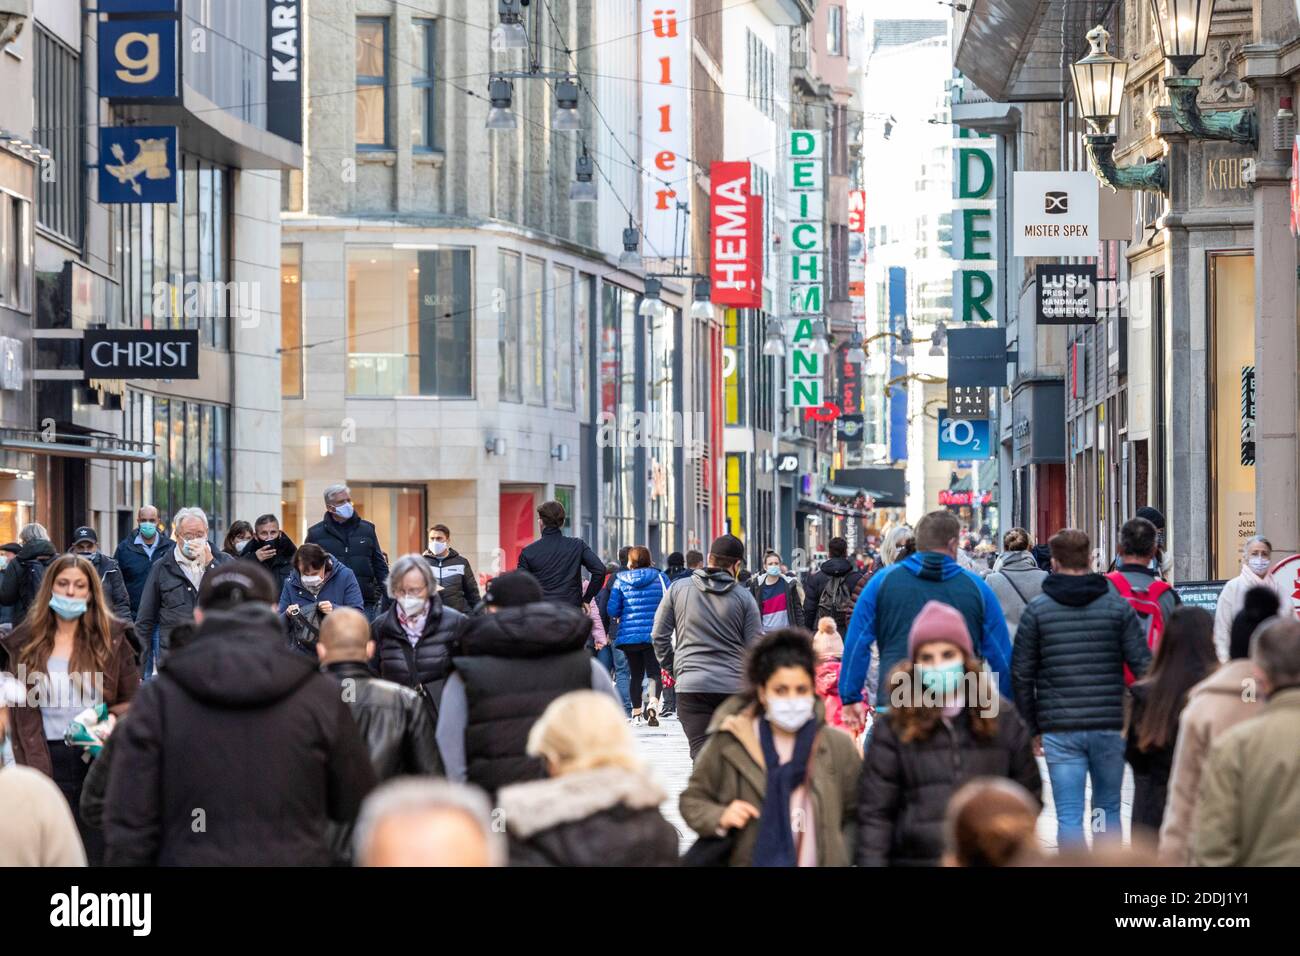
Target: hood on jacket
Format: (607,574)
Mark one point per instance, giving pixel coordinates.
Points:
(1016,561)
(1229,678)
(640,577)
(540,629)
(1075,590)
(539,805)
(836,567)
(712,580)
(237,660)
(931,566)
(36,550)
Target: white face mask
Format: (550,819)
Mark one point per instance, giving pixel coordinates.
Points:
(438,547)
(1258,565)
(312,580)
(412,606)
(241,545)
(192,549)
(789,713)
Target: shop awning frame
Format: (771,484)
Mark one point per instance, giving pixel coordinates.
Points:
(98,446)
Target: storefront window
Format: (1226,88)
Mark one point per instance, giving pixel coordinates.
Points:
(508,308)
(409,322)
(1233,324)
(397,512)
(291,322)
(190,456)
(618,456)
(532,339)
(562,367)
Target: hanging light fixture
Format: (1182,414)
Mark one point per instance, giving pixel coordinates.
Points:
(631,257)
(583,188)
(651,302)
(1184,30)
(819,345)
(938,338)
(905,349)
(702,308)
(509,34)
(774,338)
(500,95)
(1099,82)
(856,354)
(567,119)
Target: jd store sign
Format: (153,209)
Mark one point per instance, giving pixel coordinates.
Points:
(141,353)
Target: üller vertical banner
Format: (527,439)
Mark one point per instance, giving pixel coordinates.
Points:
(736,276)
(665,126)
(805,250)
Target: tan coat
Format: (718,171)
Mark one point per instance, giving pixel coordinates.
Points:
(731,767)
(1215,704)
(1248,813)
(36,824)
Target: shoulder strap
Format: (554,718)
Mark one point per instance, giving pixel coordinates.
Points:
(1122,584)
(1019,593)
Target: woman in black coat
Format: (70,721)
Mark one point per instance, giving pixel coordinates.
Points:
(598,807)
(945,725)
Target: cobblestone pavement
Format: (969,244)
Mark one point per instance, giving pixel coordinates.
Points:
(665,751)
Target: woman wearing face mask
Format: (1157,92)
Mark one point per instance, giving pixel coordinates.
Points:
(945,726)
(773,776)
(633,601)
(1257,556)
(238,539)
(780,599)
(68,643)
(316,586)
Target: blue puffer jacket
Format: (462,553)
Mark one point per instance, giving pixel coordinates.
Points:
(633,600)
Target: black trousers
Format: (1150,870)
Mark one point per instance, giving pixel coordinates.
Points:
(694,711)
(70,774)
(641,663)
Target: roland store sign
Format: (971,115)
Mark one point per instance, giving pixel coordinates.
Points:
(141,353)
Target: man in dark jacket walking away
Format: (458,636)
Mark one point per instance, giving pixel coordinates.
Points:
(1067,667)
(715,621)
(457,585)
(85,542)
(557,562)
(515,658)
(136,554)
(394,723)
(354,541)
(829,592)
(22,575)
(275,549)
(256,745)
(172,590)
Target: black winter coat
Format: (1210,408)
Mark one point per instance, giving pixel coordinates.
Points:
(431,656)
(603,817)
(514,663)
(557,563)
(1151,768)
(169,598)
(840,568)
(457,585)
(21,578)
(1067,662)
(279,564)
(135,563)
(115,593)
(250,733)
(906,787)
(356,543)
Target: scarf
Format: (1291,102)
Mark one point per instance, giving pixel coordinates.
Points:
(775,845)
(193,569)
(413,626)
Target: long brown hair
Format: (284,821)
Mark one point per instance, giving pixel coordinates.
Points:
(1183,659)
(92,646)
(913,721)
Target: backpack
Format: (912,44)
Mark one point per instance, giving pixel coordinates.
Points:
(1146,604)
(29,584)
(836,601)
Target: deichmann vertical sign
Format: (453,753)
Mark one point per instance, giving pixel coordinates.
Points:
(665,124)
(975,203)
(736,227)
(284,69)
(141,353)
(806,251)
(1066,294)
(1056,214)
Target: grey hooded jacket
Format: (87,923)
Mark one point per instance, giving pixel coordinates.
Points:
(1016,580)
(715,620)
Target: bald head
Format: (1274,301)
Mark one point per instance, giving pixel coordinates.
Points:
(345,636)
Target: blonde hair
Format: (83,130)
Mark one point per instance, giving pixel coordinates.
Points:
(583,730)
(890,547)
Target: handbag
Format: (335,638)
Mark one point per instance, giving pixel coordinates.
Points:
(711,851)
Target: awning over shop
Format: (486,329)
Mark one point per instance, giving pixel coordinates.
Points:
(887,487)
(75,444)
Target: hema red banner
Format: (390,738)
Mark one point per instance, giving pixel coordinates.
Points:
(736,249)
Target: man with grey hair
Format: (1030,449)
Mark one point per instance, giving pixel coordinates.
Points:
(22,576)
(413,822)
(1248,813)
(354,541)
(171,591)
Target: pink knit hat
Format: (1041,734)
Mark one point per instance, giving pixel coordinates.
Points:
(939,622)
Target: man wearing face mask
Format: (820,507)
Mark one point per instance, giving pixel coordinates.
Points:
(715,622)
(85,542)
(456,583)
(354,541)
(779,598)
(136,554)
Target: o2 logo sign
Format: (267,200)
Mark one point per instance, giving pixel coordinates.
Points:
(962,439)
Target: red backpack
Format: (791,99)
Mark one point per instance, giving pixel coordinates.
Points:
(1146,604)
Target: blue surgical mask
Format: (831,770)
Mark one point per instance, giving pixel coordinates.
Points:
(944,679)
(148,529)
(344,510)
(66,607)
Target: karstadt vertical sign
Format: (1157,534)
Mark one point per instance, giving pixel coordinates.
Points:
(665,125)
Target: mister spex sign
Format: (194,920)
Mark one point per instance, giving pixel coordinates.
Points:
(141,353)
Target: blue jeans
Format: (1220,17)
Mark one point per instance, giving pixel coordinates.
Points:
(1072,757)
(622,679)
(150,656)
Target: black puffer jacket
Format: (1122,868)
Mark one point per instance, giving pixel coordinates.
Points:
(21,578)
(513,664)
(279,564)
(425,666)
(248,732)
(906,786)
(608,816)
(1067,663)
(831,569)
